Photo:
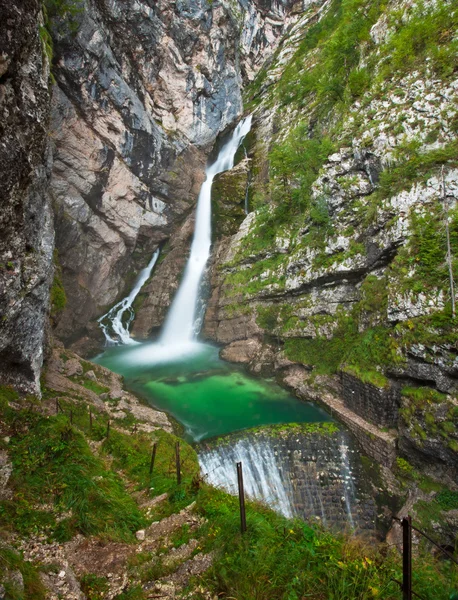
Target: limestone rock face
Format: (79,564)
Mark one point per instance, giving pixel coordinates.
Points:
(229,199)
(344,266)
(26,232)
(143,90)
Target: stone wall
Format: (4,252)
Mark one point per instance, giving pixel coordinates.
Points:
(26,233)
(310,471)
(378,405)
(379,445)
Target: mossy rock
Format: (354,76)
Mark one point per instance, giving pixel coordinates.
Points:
(228,199)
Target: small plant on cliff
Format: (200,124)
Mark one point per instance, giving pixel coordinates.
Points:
(58,295)
(63,9)
(61,14)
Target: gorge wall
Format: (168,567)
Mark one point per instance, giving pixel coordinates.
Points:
(26,230)
(338,278)
(142,91)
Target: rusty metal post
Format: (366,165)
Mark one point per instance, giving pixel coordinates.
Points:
(407,558)
(90,419)
(177,457)
(241,498)
(153,458)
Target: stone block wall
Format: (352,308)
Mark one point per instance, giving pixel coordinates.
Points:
(376,405)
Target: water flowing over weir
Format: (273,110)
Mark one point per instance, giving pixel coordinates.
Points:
(299,474)
(112,321)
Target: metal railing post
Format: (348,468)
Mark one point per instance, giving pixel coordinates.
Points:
(177,457)
(241,498)
(153,458)
(407,558)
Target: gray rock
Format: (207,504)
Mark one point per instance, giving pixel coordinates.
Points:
(140,535)
(73,367)
(26,233)
(91,375)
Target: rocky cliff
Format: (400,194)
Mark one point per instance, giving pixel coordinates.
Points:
(342,264)
(143,89)
(26,232)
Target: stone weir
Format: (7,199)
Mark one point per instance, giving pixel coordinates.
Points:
(311,471)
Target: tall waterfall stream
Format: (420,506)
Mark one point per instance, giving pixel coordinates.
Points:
(307,475)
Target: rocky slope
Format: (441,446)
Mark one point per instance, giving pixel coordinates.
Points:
(26,230)
(342,266)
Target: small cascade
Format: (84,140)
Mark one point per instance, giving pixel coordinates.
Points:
(116,322)
(349,488)
(262,477)
(180,325)
(308,475)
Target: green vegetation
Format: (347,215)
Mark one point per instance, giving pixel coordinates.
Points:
(11,561)
(61,15)
(94,587)
(52,463)
(58,297)
(336,63)
(95,387)
(329,80)
(430,414)
(358,353)
(283,559)
(413,165)
(132,454)
(428,33)
(325,429)
(447,500)
(276,559)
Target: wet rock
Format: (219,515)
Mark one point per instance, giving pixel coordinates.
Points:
(242,351)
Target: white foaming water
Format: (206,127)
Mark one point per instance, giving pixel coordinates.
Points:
(112,321)
(262,478)
(349,488)
(179,327)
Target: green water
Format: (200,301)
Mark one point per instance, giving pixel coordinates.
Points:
(208,396)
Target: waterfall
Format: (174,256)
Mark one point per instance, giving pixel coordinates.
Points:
(113,319)
(180,325)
